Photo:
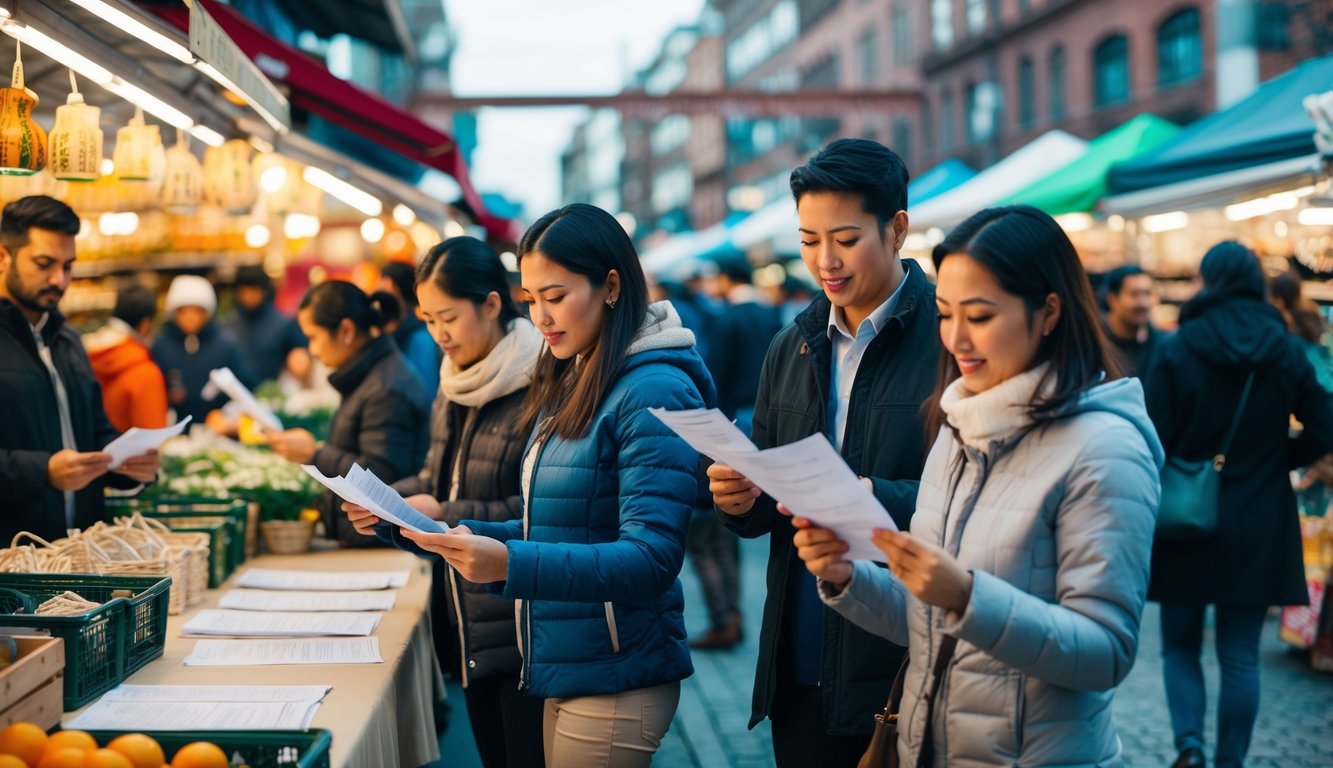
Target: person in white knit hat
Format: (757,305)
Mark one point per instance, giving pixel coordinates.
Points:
(191,344)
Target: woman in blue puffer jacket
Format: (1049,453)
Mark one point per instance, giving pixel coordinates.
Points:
(607,493)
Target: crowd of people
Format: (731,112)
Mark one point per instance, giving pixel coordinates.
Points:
(1012,422)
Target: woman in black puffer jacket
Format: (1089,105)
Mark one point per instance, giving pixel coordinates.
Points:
(477,438)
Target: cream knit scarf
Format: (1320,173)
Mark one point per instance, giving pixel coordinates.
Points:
(507,369)
(995,414)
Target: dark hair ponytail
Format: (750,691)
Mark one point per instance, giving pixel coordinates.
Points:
(337,300)
(467,268)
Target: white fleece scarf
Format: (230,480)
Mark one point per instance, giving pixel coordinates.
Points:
(985,417)
(661,329)
(507,369)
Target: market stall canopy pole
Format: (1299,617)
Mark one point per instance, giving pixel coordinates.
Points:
(316,90)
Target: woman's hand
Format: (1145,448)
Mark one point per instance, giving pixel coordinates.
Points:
(733,492)
(930,573)
(296,445)
(479,559)
(362,519)
(821,551)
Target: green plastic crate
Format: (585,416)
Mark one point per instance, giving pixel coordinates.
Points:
(107,644)
(257,749)
(189,508)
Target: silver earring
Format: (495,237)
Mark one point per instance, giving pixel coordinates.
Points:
(611,303)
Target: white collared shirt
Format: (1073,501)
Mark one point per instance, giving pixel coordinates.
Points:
(848,351)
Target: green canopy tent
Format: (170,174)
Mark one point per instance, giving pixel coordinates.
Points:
(1078,186)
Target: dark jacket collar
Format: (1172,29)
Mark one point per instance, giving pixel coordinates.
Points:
(813,321)
(13,320)
(347,378)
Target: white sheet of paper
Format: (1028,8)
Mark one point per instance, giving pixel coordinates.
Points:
(225,380)
(363,488)
(271,600)
(320,581)
(808,477)
(212,621)
(207,707)
(136,442)
(323,650)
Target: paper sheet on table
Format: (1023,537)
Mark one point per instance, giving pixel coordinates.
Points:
(320,581)
(207,707)
(213,621)
(136,442)
(226,381)
(270,600)
(808,477)
(323,650)
(361,486)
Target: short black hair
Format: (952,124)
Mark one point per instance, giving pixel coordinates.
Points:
(404,278)
(254,276)
(134,304)
(1115,279)
(860,167)
(35,211)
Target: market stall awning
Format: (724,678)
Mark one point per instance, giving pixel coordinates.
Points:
(938,180)
(775,223)
(1268,126)
(690,247)
(1216,190)
(1051,150)
(1078,186)
(316,90)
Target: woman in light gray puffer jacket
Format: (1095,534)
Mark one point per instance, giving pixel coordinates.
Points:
(1034,522)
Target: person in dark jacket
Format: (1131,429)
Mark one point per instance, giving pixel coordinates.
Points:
(607,495)
(1253,561)
(1130,296)
(381,423)
(52,466)
(477,439)
(410,334)
(271,341)
(191,344)
(856,366)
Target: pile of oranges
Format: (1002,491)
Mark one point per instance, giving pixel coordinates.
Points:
(24,745)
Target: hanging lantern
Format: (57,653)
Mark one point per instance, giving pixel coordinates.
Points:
(229,180)
(136,146)
(22,140)
(76,139)
(15,187)
(183,186)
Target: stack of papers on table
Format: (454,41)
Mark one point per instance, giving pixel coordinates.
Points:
(270,600)
(363,488)
(203,707)
(321,581)
(246,653)
(259,624)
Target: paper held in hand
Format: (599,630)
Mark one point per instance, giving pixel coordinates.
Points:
(808,476)
(363,488)
(136,442)
(224,380)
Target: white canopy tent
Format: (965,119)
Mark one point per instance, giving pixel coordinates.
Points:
(685,245)
(776,223)
(1043,155)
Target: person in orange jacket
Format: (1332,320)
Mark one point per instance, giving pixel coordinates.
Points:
(134,392)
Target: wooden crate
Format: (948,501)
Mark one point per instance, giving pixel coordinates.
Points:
(32,689)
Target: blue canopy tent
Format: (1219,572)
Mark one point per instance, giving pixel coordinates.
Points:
(938,180)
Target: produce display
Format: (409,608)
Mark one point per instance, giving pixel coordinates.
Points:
(25,745)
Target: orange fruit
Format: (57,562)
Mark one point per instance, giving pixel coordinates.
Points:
(24,741)
(200,754)
(63,757)
(10,761)
(142,751)
(70,740)
(106,758)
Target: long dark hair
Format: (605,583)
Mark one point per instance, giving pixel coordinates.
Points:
(1306,321)
(587,241)
(1032,258)
(336,300)
(467,268)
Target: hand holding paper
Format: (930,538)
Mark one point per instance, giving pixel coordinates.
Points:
(363,488)
(226,381)
(137,442)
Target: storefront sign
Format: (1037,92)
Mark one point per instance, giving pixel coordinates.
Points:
(212,45)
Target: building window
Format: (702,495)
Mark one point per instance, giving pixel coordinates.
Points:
(902,138)
(1055,84)
(976,16)
(1110,66)
(1272,27)
(901,21)
(927,126)
(1027,97)
(1179,50)
(868,56)
(946,121)
(941,23)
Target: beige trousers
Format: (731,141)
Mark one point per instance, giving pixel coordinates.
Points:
(614,730)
